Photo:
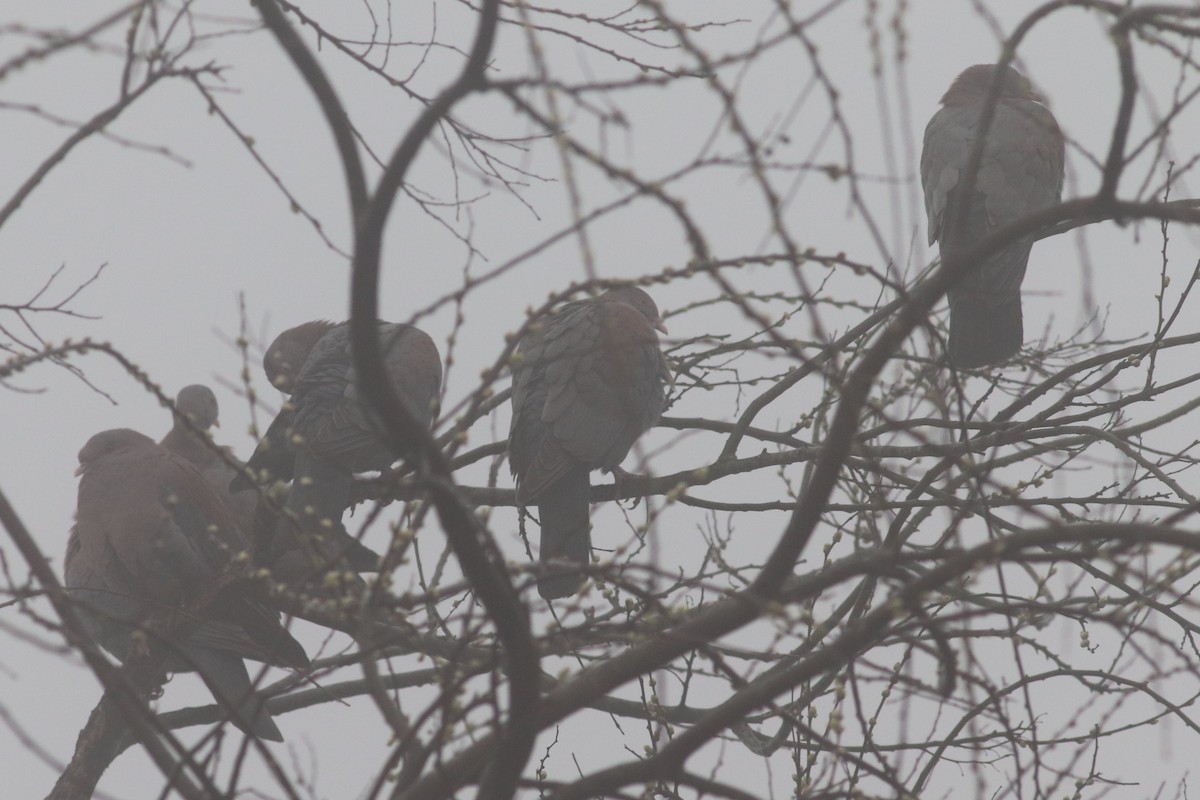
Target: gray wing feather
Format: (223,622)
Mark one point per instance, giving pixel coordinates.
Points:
(1020,173)
(589,383)
(1021,169)
(331,416)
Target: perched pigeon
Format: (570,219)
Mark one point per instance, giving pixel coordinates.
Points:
(589,381)
(324,434)
(1021,173)
(150,535)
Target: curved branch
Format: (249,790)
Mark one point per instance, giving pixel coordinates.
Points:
(478,556)
(327,100)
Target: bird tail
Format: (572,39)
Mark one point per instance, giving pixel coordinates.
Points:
(983,333)
(319,496)
(566,536)
(226,677)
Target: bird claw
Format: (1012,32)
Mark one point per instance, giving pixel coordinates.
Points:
(620,476)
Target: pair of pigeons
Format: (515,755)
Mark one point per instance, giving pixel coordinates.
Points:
(158,524)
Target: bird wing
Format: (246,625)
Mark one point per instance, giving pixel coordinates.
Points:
(151,534)
(331,415)
(1020,173)
(590,382)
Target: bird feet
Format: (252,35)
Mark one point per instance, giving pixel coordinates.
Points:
(621,478)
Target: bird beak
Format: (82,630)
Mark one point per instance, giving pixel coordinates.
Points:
(661,326)
(216,423)
(79,470)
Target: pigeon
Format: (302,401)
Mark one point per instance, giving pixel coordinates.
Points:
(589,380)
(1021,173)
(151,535)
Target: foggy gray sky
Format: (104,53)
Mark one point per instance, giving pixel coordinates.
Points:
(180,243)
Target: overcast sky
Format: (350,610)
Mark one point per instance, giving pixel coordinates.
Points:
(186,232)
